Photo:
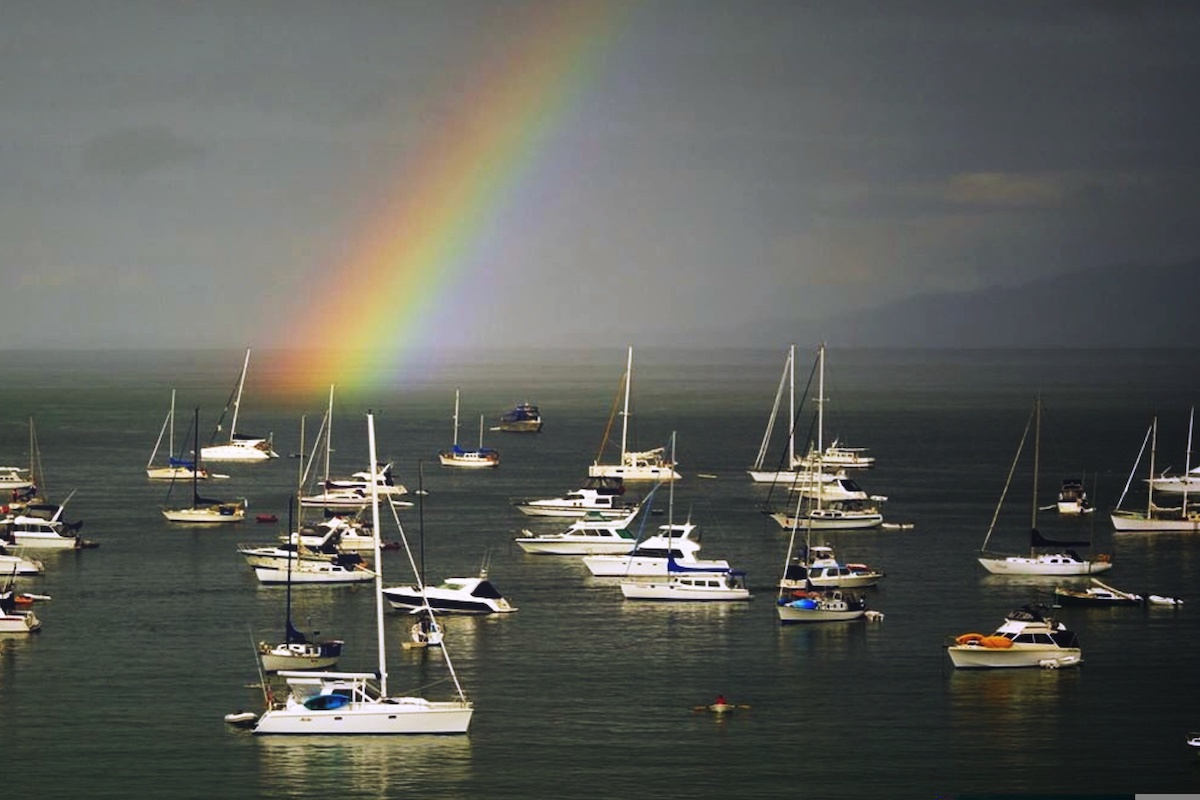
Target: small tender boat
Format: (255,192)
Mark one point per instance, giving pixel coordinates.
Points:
(1028,637)
(241,719)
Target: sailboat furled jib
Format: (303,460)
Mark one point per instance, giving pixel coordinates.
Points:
(644,465)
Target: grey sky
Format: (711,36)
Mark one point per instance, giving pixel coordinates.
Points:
(727,161)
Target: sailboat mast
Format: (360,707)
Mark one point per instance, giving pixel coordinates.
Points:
(1187,461)
(171,432)
(456,415)
(196,466)
(625,413)
(481,431)
(328,435)
(821,400)
(1150,484)
(1037,457)
(237,400)
(791,463)
(377,554)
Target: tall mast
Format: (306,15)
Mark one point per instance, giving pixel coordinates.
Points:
(1187,462)
(237,402)
(196,466)
(171,435)
(821,399)
(1150,484)
(328,435)
(1037,455)
(377,554)
(791,463)
(456,415)
(625,413)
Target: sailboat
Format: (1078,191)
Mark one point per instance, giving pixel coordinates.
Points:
(456,456)
(345,703)
(828,500)
(203,510)
(297,651)
(1156,518)
(177,468)
(800,472)
(1046,556)
(239,447)
(644,465)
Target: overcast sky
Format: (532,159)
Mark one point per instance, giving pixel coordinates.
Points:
(162,162)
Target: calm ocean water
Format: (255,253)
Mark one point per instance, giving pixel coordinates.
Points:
(147,641)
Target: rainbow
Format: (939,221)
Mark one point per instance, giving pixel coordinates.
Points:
(419,249)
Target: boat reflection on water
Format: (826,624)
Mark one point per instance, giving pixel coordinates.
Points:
(375,766)
(990,708)
(825,643)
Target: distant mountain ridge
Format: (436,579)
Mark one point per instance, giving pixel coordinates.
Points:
(1107,307)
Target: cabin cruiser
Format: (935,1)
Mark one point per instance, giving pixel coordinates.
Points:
(523,418)
(649,558)
(578,503)
(452,596)
(590,535)
(1028,637)
(820,568)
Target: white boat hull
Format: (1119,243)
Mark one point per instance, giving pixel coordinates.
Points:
(37,541)
(409,598)
(973,656)
(19,622)
(1042,565)
(839,521)
(547,546)
(1133,522)
(206,515)
(789,614)
(571,512)
(394,716)
(251,450)
(1189,485)
(324,574)
(15,566)
(632,473)
(712,587)
(277,662)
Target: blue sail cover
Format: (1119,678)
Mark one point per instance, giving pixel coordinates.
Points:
(181,462)
(676,567)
